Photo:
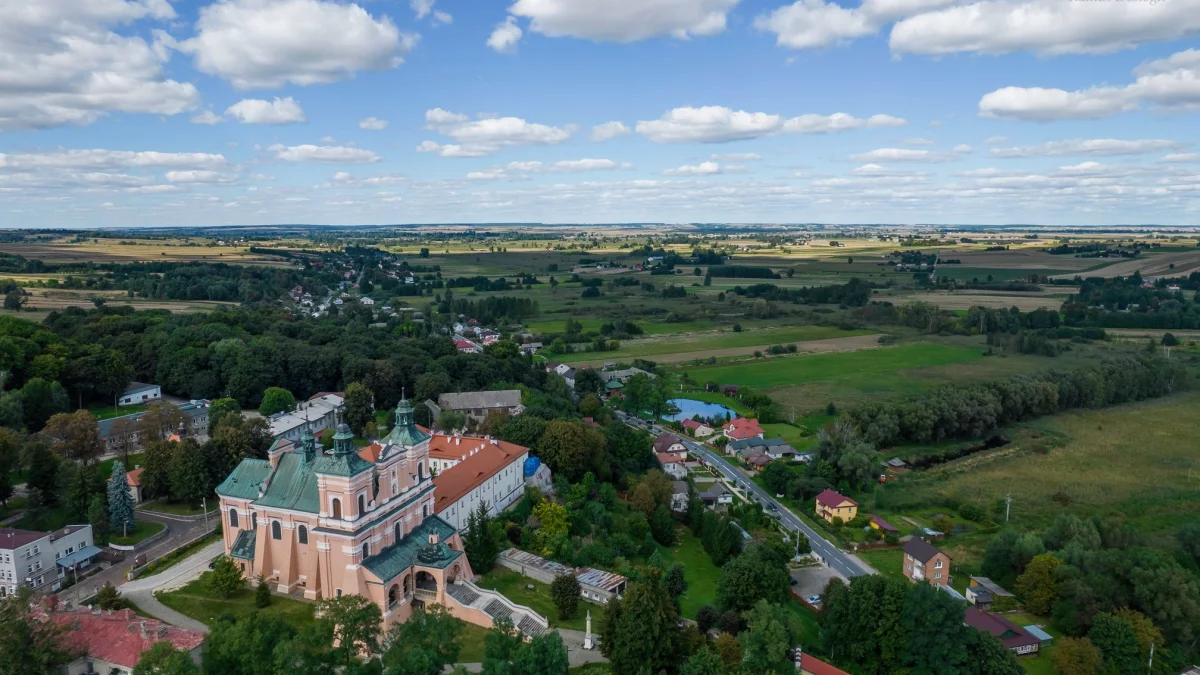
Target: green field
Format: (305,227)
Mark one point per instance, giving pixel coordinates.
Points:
(548,325)
(698,570)
(887,561)
(703,342)
(197,601)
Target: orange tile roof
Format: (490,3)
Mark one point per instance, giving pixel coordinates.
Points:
(666,458)
(485,458)
(134,477)
(814,666)
(371,452)
(117,637)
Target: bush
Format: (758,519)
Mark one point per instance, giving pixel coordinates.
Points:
(262,594)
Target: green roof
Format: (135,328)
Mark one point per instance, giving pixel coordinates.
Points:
(245,480)
(339,464)
(405,433)
(613,384)
(243,546)
(414,549)
(294,486)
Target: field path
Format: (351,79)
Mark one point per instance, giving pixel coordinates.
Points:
(845,344)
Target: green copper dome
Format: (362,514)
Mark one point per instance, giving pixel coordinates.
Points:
(405,433)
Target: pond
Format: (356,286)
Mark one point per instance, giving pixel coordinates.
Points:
(688,408)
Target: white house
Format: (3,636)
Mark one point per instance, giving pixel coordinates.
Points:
(26,559)
(139,394)
(488,471)
(74,549)
(679,496)
(319,412)
(366,301)
(672,465)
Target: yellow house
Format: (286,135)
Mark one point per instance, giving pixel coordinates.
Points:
(832,505)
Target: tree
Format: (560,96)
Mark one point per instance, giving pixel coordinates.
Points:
(676,583)
(43,473)
(937,636)
(164,659)
(1008,553)
(478,541)
(704,662)
(159,421)
(225,578)
(14,299)
(354,622)
(222,410)
(41,400)
(571,449)
(1115,639)
(545,654)
(552,519)
(1076,656)
(360,406)
(76,435)
(108,597)
(189,477)
(259,643)
(766,645)
(730,651)
(276,400)
(97,516)
(10,461)
(423,645)
(262,593)
(1070,529)
(79,493)
(588,381)
(451,420)
(122,435)
(641,630)
(1188,537)
(28,645)
(1038,586)
(565,591)
(753,575)
(157,461)
(120,502)
(662,526)
(987,655)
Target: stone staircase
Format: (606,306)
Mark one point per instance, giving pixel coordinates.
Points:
(527,621)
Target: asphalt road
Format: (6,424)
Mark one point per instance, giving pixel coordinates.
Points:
(833,556)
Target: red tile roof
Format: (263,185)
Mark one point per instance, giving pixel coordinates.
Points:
(691,424)
(134,477)
(11,538)
(666,458)
(814,666)
(489,458)
(743,427)
(833,499)
(371,452)
(1009,633)
(118,637)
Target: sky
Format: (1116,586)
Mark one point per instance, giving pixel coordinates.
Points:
(130,113)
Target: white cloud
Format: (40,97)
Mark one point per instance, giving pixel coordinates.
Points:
(207,117)
(718,124)
(904,155)
(478,138)
(807,24)
(624,21)
(62,62)
(609,130)
(1100,147)
(505,36)
(736,157)
(421,7)
(108,159)
(963,149)
(269,43)
(518,169)
(438,17)
(701,169)
(324,153)
(373,124)
(258,111)
(994,140)
(1181,157)
(1168,84)
(198,177)
(152,189)
(917,141)
(573,165)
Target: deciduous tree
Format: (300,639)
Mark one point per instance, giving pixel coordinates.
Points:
(276,400)
(75,435)
(565,590)
(360,406)
(28,645)
(1076,656)
(1038,586)
(164,659)
(226,578)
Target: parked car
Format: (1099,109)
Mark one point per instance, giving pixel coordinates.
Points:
(813,599)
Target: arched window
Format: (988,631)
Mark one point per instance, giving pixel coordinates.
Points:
(362,505)
(276,530)
(420,471)
(254,521)
(233,521)
(337,509)
(302,534)
(399,531)
(425,510)
(366,550)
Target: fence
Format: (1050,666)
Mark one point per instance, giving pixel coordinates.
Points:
(134,572)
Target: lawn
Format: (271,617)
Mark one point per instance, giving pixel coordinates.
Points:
(889,562)
(178,555)
(514,587)
(104,412)
(470,640)
(197,601)
(135,459)
(141,531)
(1132,462)
(699,342)
(793,435)
(1040,664)
(804,622)
(698,570)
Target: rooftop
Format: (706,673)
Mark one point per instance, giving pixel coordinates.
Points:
(490,457)
(11,538)
(469,400)
(811,664)
(121,637)
(137,388)
(665,441)
(666,458)
(995,588)
(921,549)
(311,410)
(399,557)
(1009,633)
(834,499)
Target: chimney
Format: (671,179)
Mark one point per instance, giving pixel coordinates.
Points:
(161,632)
(144,631)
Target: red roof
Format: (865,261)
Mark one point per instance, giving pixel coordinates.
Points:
(666,458)
(121,637)
(691,424)
(134,477)
(11,538)
(833,499)
(463,344)
(815,666)
(883,524)
(742,428)
(371,452)
(485,458)
(1009,633)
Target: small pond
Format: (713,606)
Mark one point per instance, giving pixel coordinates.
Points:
(688,408)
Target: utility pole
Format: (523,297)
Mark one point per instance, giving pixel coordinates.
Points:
(1007,506)
(1151,665)
(204,505)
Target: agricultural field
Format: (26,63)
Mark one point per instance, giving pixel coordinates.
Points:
(41,301)
(688,346)
(965,300)
(133,250)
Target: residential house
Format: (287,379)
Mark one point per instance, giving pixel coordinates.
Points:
(624,374)
(112,643)
(366,301)
(477,405)
(672,465)
(489,472)
(530,347)
(74,549)
(811,665)
(775,448)
(982,592)
(877,523)
(595,585)
(133,478)
(716,495)
(924,562)
(314,415)
(669,443)
(613,389)
(465,346)
(832,505)
(26,559)
(757,460)
(1020,641)
(698,429)
(741,428)
(679,496)
(140,394)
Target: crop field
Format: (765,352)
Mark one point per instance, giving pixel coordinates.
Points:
(1136,463)
(1177,263)
(960,300)
(698,345)
(43,300)
(113,251)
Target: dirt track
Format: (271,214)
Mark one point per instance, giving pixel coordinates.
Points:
(846,344)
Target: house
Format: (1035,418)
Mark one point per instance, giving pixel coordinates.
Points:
(133,478)
(698,429)
(669,443)
(112,643)
(531,347)
(74,549)
(679,496)
(716,495)
(924,562)
(465,346)
(672,465)
(26,559)
(613,388)
(366,301)
(982,592)
(595,585)
(832,505)
(1020,641)
(314,415)
(477,405)
(487,471)
(775,448)
(140,394)
(624,374)
(121,433)
(757,460)
(811,665)
(730,389)
(741,428)
(896,465)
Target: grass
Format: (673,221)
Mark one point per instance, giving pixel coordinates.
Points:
(470,641)
(804,623)
(793,435)
(135,459)
(698,570)
(514,587)
(197,601)
(174,508)
(142,530)
(104,412)
(889,562)
(712,341)
(178,555)
(1040,664)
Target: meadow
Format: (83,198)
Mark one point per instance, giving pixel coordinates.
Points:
(707,342)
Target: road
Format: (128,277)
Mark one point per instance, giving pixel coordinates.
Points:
(840,561)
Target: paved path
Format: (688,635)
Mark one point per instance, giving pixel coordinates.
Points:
(141,591)
(841,562)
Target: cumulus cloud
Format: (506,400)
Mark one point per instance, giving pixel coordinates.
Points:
(994,140)
(623,21)
(1100,147)
(63,62)
(1167,84)
(519,169)
(198,177)
(609,130)
(905,155)
(701,169)
(111,159)
(206,117)
(258,111)
(481,137)
(258,44)
(505,36)
(373,124)
(736,157)
(331,154)
(718,124)
(1180,157)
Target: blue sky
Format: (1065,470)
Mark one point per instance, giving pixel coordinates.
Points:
(149,112)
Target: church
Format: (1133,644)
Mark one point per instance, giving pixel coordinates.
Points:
(325,524)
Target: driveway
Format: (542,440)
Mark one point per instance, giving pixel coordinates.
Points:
(812,580)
